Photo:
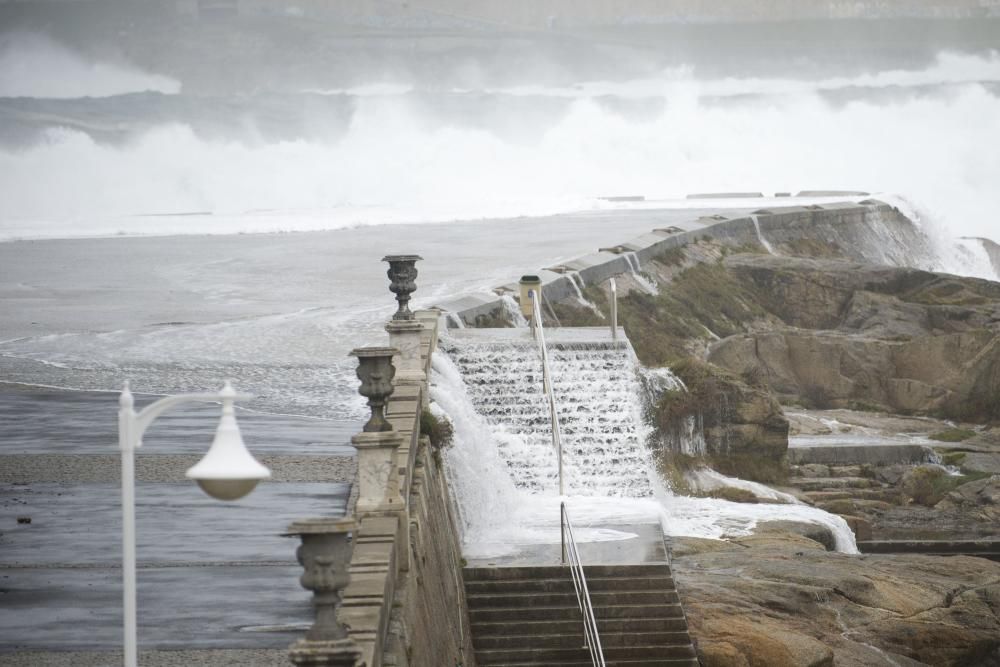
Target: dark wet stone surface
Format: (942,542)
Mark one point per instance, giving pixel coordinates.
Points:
(179,607)
(38,420)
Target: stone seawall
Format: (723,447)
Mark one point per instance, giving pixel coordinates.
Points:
(405,604)
(869,231)
(431,627)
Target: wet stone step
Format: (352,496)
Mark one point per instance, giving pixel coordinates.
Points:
(886,495)
(604,626)
(599,599)
(498,614)
(641,662)
(565,584)
(551,655)
(825,483)
(572,640)
(555,571)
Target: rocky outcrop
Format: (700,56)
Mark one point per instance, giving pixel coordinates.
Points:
(903,340)
(781,600)
(745,431)
(979,499)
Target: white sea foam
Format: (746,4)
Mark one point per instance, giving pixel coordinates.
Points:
(395,163)
(706,479)
(948,69)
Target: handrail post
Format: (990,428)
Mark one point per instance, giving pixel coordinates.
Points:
(562,530)
(614,310)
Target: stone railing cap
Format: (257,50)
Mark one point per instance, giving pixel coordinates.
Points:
(374,352)
(401,258)
(320,525)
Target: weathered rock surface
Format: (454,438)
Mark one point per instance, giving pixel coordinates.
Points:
(980,498)
(780,599)
(744,428)
(905,340)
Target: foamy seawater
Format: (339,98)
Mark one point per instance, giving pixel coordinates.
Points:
(401,151)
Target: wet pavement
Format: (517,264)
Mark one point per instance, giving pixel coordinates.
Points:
(210,574)
(65,609)
(638,544)
(36,420)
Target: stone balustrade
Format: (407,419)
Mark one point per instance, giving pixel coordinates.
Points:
(404,603)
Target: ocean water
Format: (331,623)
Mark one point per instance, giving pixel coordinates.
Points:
(102,149)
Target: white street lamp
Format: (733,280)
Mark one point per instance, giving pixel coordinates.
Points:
(227,472)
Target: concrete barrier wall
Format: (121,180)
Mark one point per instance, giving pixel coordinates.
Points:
(872,231)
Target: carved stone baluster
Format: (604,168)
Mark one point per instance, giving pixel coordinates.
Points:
(378,475)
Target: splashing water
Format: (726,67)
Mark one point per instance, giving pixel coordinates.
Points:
(376,171)
(502,463)
(513,310)
(576,280)
(634,268)
(706,479)
(760,236)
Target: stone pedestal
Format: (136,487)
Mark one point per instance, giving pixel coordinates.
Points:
(378,472)
(405,335)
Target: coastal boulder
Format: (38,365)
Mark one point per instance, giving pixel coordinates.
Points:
(980,498)
(745,430)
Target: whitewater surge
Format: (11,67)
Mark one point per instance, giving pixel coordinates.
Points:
(399,162)
(498,516)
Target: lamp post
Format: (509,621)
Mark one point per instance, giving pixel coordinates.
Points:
(227,472)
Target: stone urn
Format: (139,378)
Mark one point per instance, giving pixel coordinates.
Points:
(375,370)
(402,282)
(325,557)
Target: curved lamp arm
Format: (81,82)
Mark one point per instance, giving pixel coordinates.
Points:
(139,422)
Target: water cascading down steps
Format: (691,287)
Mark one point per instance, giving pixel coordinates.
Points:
(595,383)
(527,613)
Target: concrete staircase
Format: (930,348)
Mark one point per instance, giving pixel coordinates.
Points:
(528,616)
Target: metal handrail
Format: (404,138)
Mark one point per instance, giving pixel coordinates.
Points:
(547,385)
(591,637)
(570,552)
